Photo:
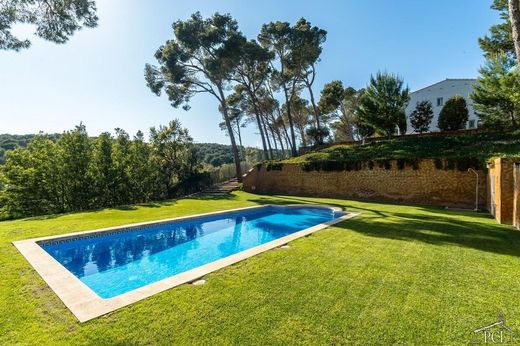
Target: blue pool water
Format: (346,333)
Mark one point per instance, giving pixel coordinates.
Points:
(116,263)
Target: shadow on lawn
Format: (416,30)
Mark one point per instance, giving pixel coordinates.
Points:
(432,225)
(166,203)
(141,205)
(348,204)
(119,208)
(438,230)
(43,217)
(299,200)
(273,200)
(212,197)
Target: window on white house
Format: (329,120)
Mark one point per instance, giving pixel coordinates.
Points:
(440,101)
(471,124)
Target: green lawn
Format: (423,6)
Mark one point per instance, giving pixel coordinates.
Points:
(394,275)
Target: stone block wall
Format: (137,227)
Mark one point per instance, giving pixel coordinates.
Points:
(516,195)
(501,189)
(426,184)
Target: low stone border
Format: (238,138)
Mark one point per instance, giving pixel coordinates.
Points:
(86,305)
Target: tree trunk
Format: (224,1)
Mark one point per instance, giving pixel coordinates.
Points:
(514,17)
(302,135)
(242,153)
(291,123)
(314,107)
(288,143)
(273,135)
(281,143)
(286,137)
(267,139)
(259,123)
(309,83)
(234,148)
(275,130)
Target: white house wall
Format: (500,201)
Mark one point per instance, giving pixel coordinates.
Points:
(445,90)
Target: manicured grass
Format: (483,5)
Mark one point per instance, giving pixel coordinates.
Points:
(394,275)
(482,146)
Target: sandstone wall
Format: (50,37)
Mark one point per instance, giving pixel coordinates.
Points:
(516,197)
(425,185)
(501,189)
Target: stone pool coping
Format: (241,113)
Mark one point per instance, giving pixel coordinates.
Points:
(86,305)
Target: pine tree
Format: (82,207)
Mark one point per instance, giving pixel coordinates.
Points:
(383,104)
(499,41)
(497,95)
(55,20)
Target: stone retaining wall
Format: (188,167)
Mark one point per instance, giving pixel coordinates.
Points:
(500,187)
(516,197)
(423,184)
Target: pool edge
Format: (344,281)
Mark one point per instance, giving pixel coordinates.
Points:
(86,305)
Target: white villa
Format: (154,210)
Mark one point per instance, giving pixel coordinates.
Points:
(438,94)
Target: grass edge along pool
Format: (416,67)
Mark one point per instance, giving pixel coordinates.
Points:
(85,304)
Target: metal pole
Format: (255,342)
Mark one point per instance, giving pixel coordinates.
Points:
(476,187)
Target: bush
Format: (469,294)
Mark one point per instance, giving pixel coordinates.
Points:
(318,134)
(274,166)
(460,163)
(422,116)
(454,114)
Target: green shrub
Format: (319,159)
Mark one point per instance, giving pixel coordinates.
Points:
(462,164)
(453,115)
(274,166)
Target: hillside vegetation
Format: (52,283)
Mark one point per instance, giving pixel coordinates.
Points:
(209,153)
(10,142)
(481,146)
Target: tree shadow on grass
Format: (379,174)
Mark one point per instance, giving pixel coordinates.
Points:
(358,206)
(43,217)
(439,230)
(430,224)
(283,200)
(143,205)
(125,207)
(470,213)
(272,200)
(212,197)
(166,203)
(118,208)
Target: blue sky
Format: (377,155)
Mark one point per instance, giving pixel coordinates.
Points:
(97,77)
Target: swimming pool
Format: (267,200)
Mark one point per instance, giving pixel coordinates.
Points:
(116,266)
